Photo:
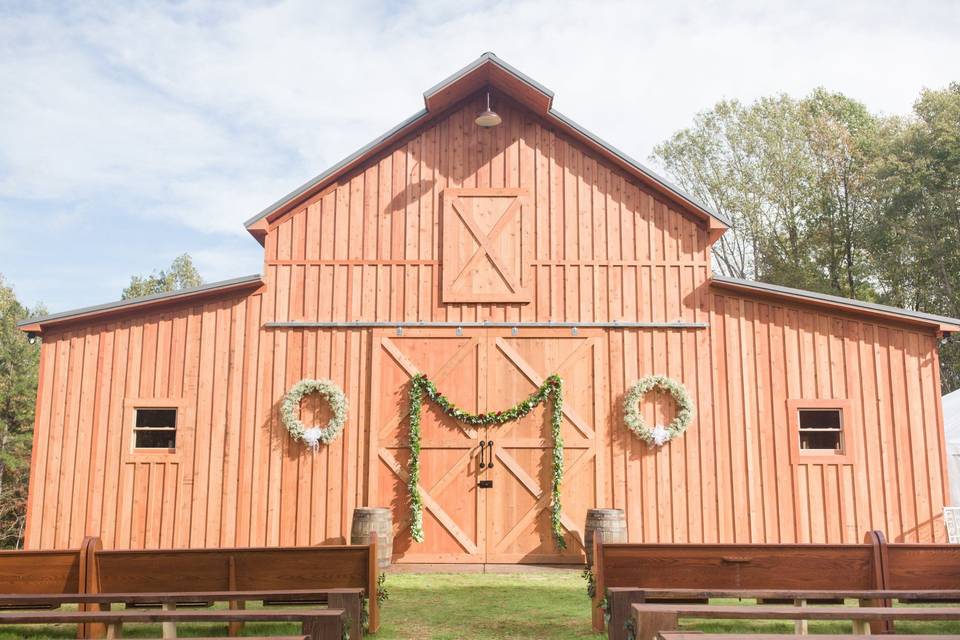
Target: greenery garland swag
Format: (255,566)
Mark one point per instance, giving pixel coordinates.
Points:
(658,435)
(422,388)
(313,436)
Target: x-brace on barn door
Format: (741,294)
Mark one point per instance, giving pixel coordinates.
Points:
(465,520)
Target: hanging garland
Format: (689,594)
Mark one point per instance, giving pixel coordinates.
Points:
(422,388)
(658,435)
(313,436)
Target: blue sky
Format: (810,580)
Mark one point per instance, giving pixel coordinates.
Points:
(133,132)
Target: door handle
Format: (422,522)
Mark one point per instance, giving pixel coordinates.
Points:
(490,454)
(483,465)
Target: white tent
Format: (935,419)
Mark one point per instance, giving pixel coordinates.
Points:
(951,426)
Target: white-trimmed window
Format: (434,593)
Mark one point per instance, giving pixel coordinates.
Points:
(820,431)
(155,428)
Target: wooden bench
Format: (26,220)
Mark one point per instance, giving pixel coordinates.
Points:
(48,572)
(254,569)
(621,599)
(316,624)
(349,600)
(809,567)
(650,619)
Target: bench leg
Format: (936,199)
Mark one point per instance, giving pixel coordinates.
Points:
(236,628)
(620,607)
(861,628)
(648,625)
(800,627)
(114,630)
(351,606)
(168,629)
(323,629)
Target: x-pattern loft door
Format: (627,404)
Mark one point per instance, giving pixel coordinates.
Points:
(486,245)
(486,370)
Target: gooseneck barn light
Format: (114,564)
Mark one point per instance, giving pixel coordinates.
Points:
(488,117)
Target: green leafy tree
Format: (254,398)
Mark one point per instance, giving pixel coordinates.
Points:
(181,275)
(19,361)
(826,196)
(917,243)
(792,175)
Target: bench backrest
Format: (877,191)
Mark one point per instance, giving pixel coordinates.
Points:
(240,569)
(921,566)
(50,572)
(738,566)
(36,572)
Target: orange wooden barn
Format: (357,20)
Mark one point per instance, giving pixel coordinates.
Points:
(487,258)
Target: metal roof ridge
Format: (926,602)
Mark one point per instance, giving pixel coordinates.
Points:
(551,112)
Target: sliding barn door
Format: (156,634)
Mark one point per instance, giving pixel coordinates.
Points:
(453,505)
(474,512)
(518,504)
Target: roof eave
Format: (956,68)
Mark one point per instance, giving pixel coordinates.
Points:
(942,324)
(38,324)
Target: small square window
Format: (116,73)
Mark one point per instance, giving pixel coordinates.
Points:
(155,428)
(821,431)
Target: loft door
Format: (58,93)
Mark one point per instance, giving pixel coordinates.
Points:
(488,503)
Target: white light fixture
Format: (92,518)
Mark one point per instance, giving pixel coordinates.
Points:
(488,117)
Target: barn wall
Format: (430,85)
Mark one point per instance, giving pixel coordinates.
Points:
(235,479)
(603,247)
(238,480)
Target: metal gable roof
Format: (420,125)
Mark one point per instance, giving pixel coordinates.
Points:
(211,287)
(943,322)
(542,97)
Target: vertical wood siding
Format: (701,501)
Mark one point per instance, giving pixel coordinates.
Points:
(368,248)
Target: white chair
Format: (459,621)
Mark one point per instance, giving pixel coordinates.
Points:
(951,518)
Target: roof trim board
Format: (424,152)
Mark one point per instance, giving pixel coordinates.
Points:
(38,323)
(484,68)
(942,323)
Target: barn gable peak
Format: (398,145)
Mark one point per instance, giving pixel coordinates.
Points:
(489,71)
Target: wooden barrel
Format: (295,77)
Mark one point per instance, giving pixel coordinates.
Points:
(613,524)
(376,522)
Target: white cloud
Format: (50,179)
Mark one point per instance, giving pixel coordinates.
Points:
(200,114)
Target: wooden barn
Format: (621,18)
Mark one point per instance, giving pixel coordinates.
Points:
(488,258)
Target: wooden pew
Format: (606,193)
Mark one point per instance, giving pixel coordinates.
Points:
(63,572)
(316,624)
(920,566)
(651,619)
(240,570)
(810,567)
(621,599)
(349,600)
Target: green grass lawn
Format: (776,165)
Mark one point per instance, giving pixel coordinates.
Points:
(483,606)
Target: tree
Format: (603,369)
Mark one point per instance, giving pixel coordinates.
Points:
(826,196)
(19,362)
(917,242)
(793,177)
(181,275)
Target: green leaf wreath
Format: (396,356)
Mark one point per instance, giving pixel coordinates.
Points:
(422,388)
